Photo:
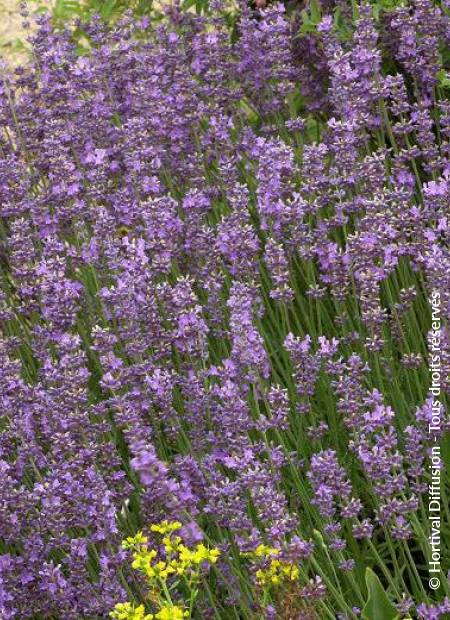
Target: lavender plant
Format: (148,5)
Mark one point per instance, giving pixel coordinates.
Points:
(225,280)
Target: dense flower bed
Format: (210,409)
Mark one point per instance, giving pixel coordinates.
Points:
(220,239)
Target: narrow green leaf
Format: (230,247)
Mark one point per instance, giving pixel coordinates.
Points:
(187,4)
(316,13)
(107,9)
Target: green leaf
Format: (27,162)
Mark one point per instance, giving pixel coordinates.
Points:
(201,6)
(319,538)
(378,606)
(107,9)
(311,19)
(187,4)
(316,13)
(443,78)
(249,111)
(65,9)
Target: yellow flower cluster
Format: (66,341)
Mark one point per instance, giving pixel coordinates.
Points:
(276,570)
(127,611)
(166,527)
(263,551)
(171,612)
(179,560)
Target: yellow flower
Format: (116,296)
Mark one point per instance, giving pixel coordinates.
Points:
(160,570)
(163,570)
(198,555)
(178,567)
(185,555)
(171,544)
(127,611)
(178,559)
(143,561)
(276,572)
(171,612)
(213,555)
(134,541)
(165,527)
(291,571)
(260,576)
(265,551)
